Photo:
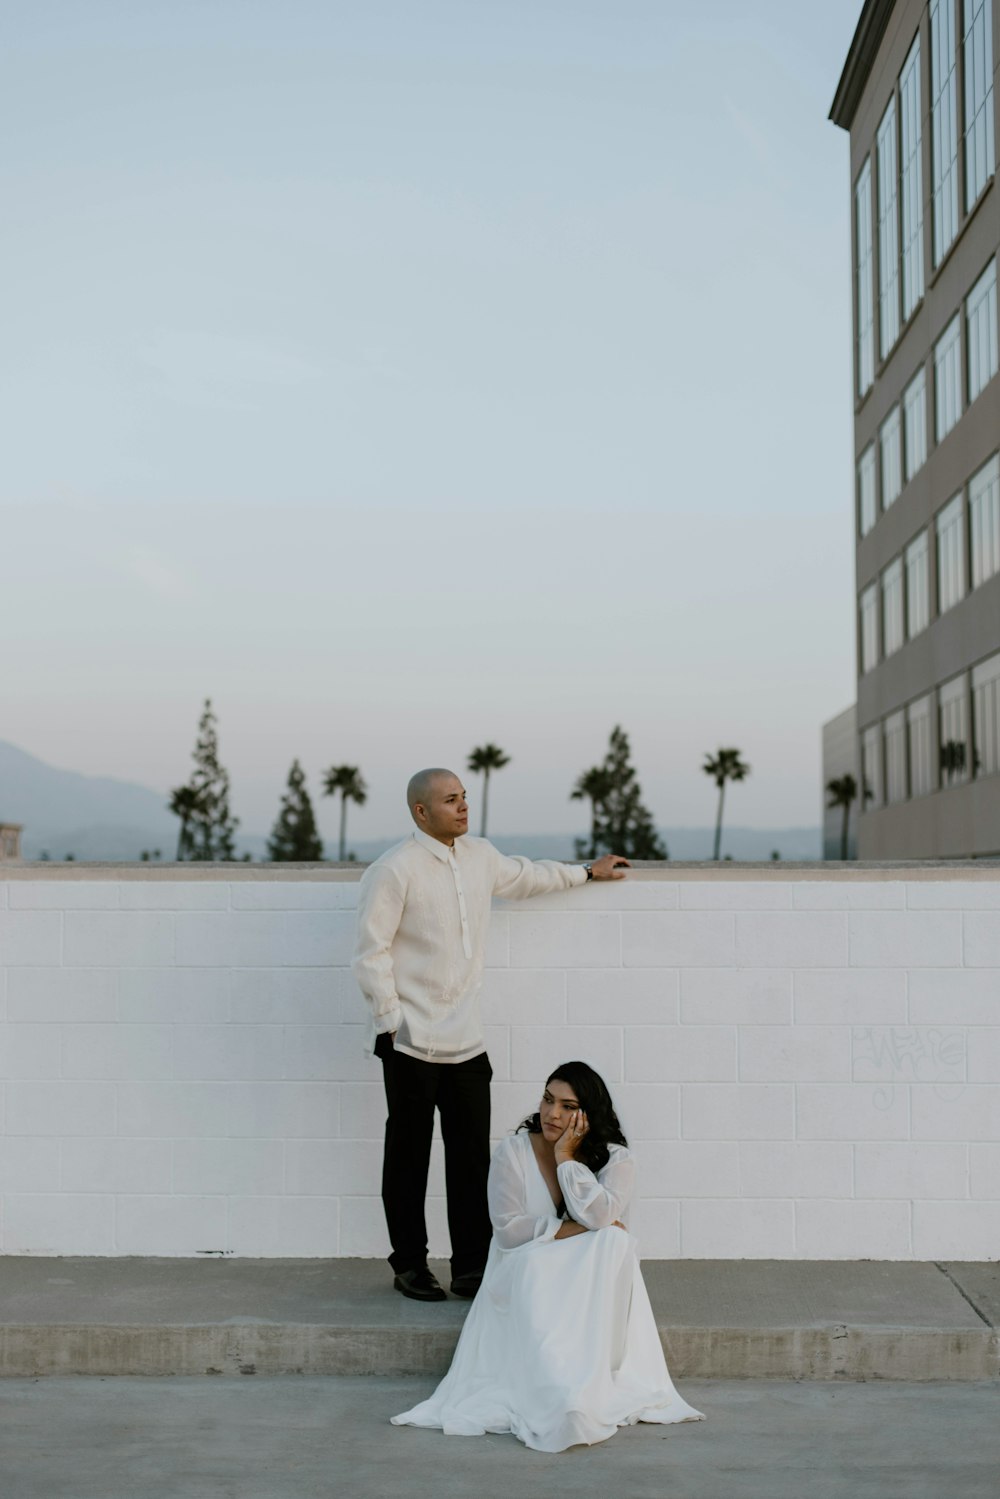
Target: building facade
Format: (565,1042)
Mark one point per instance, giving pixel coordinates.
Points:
(10,842)
(917,98)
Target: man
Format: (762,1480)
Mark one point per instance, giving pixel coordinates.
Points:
(423,919)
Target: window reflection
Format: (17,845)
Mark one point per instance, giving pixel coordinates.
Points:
(911,181)
(863,268)
(979,145)
(986,716)
(953,732)
(944,126)
(888,236)
(981,330)
(947,379)
(915,423)
(984,521)
(918,730)
(951,555)
(891,458)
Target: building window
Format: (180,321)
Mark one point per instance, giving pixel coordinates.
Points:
(866,490)
(986,716)
(891,458)
(888,232)
(895,758)
(871,768)
(944,126)
(868,611)
(948,379)
(984,521)
(950,555)
(892,607)
(911,181)
(981,330)
(863,263)
(979,148)
(915,423)
(918,610)
(918,737)
(953,732)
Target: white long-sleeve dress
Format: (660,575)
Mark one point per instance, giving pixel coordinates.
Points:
(560,1345)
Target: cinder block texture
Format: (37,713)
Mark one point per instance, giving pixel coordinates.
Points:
(804,1066)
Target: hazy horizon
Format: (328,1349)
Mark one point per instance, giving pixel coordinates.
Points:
(403,377)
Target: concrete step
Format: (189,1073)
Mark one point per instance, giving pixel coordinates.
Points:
(733,1319)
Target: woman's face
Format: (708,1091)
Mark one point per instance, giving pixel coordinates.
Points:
(558,1102)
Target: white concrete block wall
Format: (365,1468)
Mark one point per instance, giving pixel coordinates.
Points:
(807,1063)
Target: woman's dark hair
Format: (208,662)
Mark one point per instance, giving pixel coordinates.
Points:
(594,1099)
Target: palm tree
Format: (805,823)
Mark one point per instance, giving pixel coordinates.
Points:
(843,793)
(592,785)
(726,766)
(184,803)
(346,779)
(488,757)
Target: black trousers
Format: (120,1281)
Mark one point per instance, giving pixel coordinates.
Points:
(460,1091)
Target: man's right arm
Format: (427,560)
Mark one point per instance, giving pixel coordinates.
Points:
(380,910)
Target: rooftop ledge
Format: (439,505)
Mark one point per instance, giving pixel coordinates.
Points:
(646,870)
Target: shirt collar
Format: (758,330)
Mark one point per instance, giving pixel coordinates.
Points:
(437,848)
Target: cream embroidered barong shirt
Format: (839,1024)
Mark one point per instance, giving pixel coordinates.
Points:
(423,920)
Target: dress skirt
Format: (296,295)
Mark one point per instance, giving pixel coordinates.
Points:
(560,1347)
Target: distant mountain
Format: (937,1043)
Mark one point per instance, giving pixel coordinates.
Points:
(98,818)
(92,817)
(683,844)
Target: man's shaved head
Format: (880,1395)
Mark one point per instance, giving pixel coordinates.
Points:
(419,789)
(437,804)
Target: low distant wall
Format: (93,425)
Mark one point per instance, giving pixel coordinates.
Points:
(806,1060)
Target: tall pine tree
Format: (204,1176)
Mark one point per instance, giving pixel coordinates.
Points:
(208,829)
(294,835)
(621,823)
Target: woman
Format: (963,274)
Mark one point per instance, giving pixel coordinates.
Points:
(560,1345)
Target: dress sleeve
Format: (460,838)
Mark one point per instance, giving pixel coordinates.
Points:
(597,1201)
(516,878)
(380,909)
(513,1225)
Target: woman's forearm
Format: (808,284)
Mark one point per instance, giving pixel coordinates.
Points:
(570,1229)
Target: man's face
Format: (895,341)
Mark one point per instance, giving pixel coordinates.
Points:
(445,813)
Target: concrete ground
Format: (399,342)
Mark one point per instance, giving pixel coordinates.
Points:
(315,1438)
(719,1319)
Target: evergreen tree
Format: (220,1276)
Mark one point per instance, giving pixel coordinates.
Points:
(207,827)
(294,835)
(621,823)
(592,785)
(184,804)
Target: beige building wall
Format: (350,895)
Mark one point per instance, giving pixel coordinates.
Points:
(10,842)
(935,811)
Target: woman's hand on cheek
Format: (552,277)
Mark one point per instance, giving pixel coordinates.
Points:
(570,1140)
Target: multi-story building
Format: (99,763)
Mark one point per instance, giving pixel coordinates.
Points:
(917,98)
(10,842)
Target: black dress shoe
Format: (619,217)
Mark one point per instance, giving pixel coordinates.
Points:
(419,1285)
(467,1285)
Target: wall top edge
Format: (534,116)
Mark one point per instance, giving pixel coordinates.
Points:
(769,872)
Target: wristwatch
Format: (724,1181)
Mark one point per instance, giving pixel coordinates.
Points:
(590,871)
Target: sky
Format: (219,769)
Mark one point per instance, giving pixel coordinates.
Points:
(415,374)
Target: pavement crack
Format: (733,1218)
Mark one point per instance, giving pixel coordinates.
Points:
(964,1294)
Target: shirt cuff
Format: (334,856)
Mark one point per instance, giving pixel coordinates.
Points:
(581,874)
(389,1021)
